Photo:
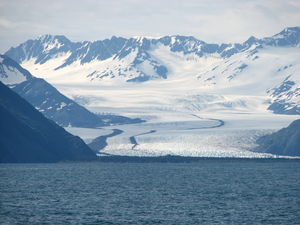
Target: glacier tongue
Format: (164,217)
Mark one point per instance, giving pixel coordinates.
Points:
(169,79)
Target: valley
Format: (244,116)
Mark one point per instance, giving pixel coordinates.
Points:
(196,99)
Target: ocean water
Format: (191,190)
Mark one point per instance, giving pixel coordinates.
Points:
(206,192)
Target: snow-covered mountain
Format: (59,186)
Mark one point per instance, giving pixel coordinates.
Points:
(49,101)
(11,73)
(199,99)
(266,68)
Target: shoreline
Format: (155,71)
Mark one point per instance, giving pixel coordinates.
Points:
(185,159)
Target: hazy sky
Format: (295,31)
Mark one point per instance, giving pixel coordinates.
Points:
(209,20)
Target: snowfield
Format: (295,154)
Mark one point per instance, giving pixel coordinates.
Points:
(208,105)
(11,75)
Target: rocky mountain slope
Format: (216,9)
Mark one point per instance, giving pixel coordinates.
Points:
(50,101)
(283,142)
(27,136)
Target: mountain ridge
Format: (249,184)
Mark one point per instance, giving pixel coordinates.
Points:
(29,137)
(51,44)
(184,59)
(48,100)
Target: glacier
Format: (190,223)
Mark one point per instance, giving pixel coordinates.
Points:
(252,86)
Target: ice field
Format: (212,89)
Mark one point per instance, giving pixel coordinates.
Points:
(226,134)
(208,106)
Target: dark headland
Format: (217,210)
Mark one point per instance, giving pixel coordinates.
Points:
(27,136)
(283,142)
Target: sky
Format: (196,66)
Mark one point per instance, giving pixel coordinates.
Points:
(213,21)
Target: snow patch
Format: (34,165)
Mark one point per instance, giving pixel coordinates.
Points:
(62,105)
(11,76)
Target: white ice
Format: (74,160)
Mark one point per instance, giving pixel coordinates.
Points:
(196,86)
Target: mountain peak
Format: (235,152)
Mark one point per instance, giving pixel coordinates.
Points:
(288,32)
(252,39)
(141,37)
(52,38)
(289,36)
(137,51)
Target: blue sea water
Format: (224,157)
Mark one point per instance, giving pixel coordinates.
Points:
(206,192)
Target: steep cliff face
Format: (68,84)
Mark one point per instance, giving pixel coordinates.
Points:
(27,136)
(283,142)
